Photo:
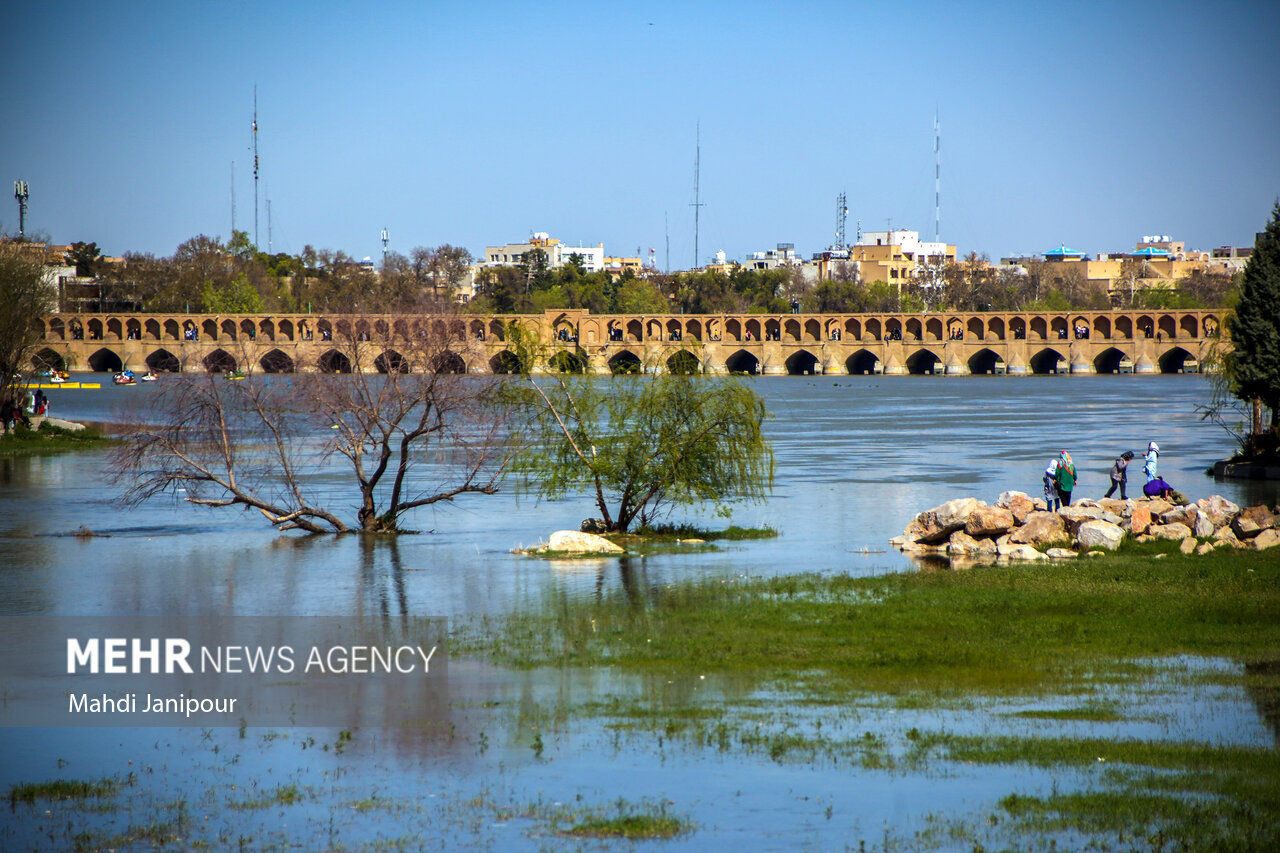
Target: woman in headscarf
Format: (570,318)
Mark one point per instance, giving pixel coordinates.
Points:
(1051,497)
(1066,478)
(1150,462)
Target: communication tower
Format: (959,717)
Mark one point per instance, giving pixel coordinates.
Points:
(697,197)
(20,192)
(385,239)
(842,212)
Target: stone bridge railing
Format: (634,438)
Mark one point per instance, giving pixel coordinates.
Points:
(952,343)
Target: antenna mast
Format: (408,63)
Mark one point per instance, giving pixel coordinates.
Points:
(20,192)
(255,166)
(842,212)
(937,177)
(386,237)
(697,196)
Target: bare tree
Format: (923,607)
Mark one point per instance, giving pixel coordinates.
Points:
(24,296)
(405,422)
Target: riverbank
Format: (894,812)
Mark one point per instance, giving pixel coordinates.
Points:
(802,669)
(50,435)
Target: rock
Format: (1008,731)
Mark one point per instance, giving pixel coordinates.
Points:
(1268,538)
(1023,552)
(989,521)
(1260,516)
(1041,528)
(1078,514)
(1018,503)
(1169,531)
(1140,519)
(1204,548)
(1157,506)
(1099,534)
(1061,554)
(1115,507)
(1144,538)
(593,525)
(1245,527)
(1224,532)
(577,542)
(986,548)
(1203,527)
(1217,509)
(955,513)
(1188,545)
(962,543)
(1180,515)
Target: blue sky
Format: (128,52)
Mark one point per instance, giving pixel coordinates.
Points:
(1078,123)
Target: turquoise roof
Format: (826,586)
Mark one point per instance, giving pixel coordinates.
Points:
(1150,252)
(1060,252)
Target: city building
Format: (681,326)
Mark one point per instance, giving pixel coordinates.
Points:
(557,253)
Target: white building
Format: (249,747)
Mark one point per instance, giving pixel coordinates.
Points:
(557,253)
(910,244)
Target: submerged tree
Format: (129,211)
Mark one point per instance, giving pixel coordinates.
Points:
(415,433)
(1255,333)
(641,446)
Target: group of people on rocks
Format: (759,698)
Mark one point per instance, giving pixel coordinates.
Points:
(13,410)
(1060,477)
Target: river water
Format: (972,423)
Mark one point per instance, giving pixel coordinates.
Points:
(857,457)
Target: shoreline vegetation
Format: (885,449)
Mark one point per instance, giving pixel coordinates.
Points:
(48,438)
(1050,639)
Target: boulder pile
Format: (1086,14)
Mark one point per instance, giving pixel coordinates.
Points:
(1019,527)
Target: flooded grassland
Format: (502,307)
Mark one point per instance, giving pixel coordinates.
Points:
(809,691)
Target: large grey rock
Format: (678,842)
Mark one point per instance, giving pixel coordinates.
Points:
(1018,503)
(1078,514)
(1060,554)
(1188,545)
(1180,515)
(1203,527)
(1041,528)
(955,513)
(935,526)
(1099,534)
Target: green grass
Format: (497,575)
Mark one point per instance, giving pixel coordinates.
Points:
(629,826)
(49,439)
(282,795)
(62,789)
(1029,628)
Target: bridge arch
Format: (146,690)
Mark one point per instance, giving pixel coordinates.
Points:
(1111,360)
(50,358)
(733,330)
(893,329)
(802,363)
(1124,328)
(933,329)
(56,330)
(986,361)
(332,361)
(995,328)
(862,362)
(151,329)
(812,330)
(1018,328)
(448,362)
(105,361)
(391,361)
(922,361)
(505,362)
(1038,329)
(742,362)
(163,361)
(276,361)
(1176,360)
(564,361)
(873,328)
(683,363)
(915,329)
(791,330)
(219,361)
(625,363)
(1188,326)
(976,328)
(1167,326)
(1047,360)
(853,329)
(1102,327)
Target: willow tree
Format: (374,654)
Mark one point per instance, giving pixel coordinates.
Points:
(639,446)
(24,297)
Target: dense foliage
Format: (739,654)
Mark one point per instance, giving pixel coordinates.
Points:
(24,295)
(1255,328)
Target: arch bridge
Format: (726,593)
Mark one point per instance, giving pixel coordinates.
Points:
(958,343)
